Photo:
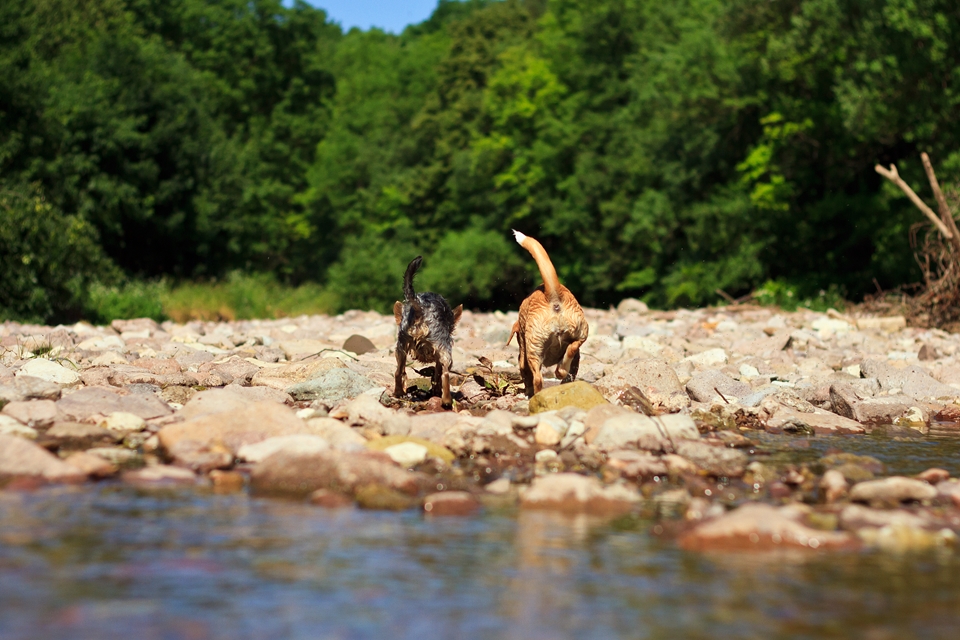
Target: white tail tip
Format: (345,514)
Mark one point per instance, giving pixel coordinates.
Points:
(519,236)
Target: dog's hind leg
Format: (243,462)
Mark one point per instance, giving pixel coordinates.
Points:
(568,367)
(400,378)
(441,378)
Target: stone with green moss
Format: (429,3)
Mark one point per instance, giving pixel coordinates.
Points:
(576,394)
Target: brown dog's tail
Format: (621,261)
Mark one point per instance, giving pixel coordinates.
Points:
(551,284)
(409,295)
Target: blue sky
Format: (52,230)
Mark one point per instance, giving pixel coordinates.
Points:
(389,15)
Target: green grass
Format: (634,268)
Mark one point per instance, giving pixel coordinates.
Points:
(237,297)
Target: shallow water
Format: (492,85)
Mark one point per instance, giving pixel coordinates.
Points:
(109,561)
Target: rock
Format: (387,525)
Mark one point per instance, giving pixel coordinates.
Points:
(856,516)
(33,413)
(716,461)
(119,456)
(300,475)
(833,485)
(407,454)
(13,427)
(230,430)
(79,435)
(756,526)
(281,377)
(30,388)
(789,420)
(259,394)
(934,475)
(90,401)
(213,401)
(575,394)
(49,371)
(136,325)
(359,345)
(708,358)
(339,435)
(22,459)
(434,426)
(227,481)
(634,465)
(634,430)
(330,499)
(704,387)
(295,444)
(868,463)
(927,352)
(949,491)
(382,498)
(903,539)
(576,493)
(657,380)
(911,381)
(124,422)
(160,475)
(91,465)
(366,410)
(886,325)
(880,410)
(434,450)
(632,305)
(550,430)
(892,490)
(332,386)
(451,503)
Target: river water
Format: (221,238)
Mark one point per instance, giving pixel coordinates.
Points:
(110,561)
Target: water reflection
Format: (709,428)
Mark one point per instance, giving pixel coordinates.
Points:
(111,562)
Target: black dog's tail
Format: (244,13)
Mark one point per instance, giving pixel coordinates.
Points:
(409,295)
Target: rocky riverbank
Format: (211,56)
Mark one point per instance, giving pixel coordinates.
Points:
(670,418)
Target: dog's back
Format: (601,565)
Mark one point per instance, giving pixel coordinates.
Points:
(551,326)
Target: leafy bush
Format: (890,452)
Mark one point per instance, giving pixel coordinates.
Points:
(130,299)
(48,260)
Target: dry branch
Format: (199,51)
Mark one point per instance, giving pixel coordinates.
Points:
(945,213)
(895,178)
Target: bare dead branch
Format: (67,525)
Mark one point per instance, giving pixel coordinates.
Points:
(945,214)
(895,178)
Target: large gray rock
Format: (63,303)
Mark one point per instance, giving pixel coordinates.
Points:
(704,385)
(637,431)
(21,458)
(331,386)
(786,419)
(655,378)
(79,435)
(911,381)
(339,435)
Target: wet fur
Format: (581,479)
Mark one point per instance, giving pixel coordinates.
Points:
(551,326)
(425,324)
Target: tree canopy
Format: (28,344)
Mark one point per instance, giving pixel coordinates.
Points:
(662,150)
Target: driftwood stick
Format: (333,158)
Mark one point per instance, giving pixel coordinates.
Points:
(895,178)
(945,214)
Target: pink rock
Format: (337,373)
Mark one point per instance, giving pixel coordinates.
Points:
(833,485)
(820,422)
(451,503)
(758,526)
(577,493)
(33,413)
(934,475)
(230,430)
(159,476)
(21,458)
(91,465)
(90,401)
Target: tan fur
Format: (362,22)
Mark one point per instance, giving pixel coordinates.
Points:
(551,326)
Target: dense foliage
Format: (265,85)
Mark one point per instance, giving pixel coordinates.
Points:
(658,149)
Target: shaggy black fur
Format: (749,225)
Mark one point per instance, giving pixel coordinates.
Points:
(425,333)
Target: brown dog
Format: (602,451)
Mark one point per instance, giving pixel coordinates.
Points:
(425,324)
(551,326)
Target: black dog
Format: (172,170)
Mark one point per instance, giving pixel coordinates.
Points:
(426,323)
